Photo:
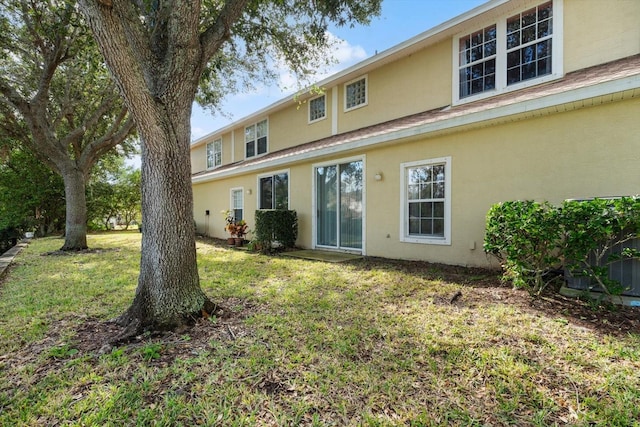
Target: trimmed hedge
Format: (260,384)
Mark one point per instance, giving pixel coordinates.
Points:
(276,226)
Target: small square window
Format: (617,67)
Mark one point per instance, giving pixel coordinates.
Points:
(355,94)
(317,109)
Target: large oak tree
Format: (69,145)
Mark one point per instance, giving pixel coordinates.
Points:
(164,53)
(57,99)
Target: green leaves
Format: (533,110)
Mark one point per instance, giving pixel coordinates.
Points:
(276,226)
(586,237)
(525,236)
(594,235)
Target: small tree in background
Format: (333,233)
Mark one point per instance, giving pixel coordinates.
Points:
(57,98)
(31,194)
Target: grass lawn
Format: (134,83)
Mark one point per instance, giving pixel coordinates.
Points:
(368,342)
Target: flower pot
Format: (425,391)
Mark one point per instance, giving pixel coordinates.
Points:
(239,241)
(231,241)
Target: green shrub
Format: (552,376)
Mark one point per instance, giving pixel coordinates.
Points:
(525,236)
(533,239)
(276,226)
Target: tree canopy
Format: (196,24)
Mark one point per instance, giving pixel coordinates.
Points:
(57,98)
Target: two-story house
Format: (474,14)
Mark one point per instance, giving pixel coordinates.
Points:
(403,154)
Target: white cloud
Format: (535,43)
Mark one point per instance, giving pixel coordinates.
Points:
(343,55)
(198,132)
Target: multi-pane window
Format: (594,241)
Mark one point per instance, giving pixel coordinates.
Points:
(237,203)
(425,196)
(514,50)
(255,139)
(317,108)
(529,44)
(355,93)
(274,191)
(478,61)
(426,201)
(214,154)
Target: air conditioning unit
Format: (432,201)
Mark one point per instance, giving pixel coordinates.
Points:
(624,271)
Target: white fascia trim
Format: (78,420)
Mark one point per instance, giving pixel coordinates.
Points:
(601,89)
(364,65)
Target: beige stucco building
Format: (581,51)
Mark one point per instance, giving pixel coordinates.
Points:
(404,153)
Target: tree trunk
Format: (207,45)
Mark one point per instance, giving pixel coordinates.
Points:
(75,236)
(168,293)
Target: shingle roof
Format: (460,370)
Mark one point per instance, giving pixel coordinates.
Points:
(580,79)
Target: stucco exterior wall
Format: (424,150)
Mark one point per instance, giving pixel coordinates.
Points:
(419,82)
(291,126)
(583,153)
(594,32)
(597,31)
(588,152)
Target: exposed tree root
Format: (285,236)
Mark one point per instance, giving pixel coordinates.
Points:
(136,321)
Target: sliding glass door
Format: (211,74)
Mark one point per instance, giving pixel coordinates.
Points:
(339,207)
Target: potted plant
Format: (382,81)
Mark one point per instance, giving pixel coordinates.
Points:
(229,226)
(240,230)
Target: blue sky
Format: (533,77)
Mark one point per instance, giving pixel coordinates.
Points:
(399,21)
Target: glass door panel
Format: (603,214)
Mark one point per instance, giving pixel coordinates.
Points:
(326,202)
(339,205)
(351,205)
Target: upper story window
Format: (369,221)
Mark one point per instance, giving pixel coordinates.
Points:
(529,41)
(478,61)
(317,108)
(255,139)
(355,94)
(214,154)
(274,191)
(510,54)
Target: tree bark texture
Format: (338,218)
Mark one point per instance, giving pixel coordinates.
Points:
(168,292)
(75,236)
(157,71)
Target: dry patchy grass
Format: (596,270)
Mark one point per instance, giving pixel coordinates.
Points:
(370,342)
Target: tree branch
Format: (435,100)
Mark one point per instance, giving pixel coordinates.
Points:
(120,130)
(220,31)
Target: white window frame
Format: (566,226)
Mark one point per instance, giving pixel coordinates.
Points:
(324,102)
(404,203)
(272,174)
(366,93)
(231,200)
(501,86)
(255,138)
(216,148)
